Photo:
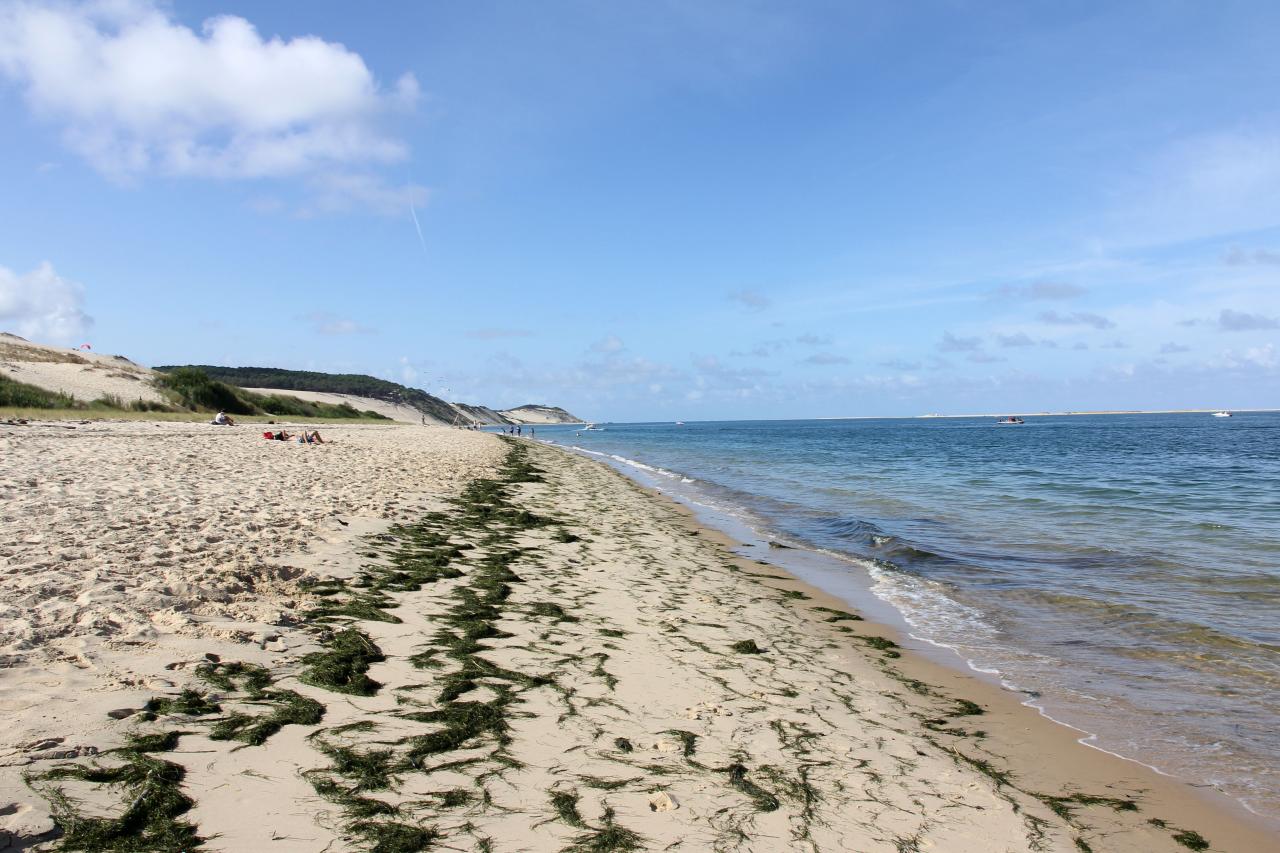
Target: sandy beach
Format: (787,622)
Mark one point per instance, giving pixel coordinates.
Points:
(415,637)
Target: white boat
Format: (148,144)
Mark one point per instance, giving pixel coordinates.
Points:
(593,428)
(1222,414)
(679,423)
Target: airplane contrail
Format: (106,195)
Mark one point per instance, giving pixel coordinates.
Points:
(418,227)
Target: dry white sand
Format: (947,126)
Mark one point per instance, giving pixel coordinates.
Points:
(129,553)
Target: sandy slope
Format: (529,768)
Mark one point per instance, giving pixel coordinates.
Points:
(539,415)
(395,411)
(577,621)
(82,374)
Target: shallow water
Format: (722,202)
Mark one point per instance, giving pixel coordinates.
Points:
(1122,570)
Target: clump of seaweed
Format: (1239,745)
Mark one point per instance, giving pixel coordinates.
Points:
(343,665)
(882,644)
(609,837)
(838,615)
(1191,839)
(152,820)
(190,702)
(688,741)
(762,799)
(565,804)
(287,706)
(746,647)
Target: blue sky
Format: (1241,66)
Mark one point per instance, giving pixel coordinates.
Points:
(659,210)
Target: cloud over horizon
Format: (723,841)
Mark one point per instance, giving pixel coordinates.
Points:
(1040,291)
(1076,318)
(1240,321)
(42,306)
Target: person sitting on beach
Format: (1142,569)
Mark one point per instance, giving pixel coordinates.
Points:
(222,419)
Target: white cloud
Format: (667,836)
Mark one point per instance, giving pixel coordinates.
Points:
(951,343)
(1038,291)
(1020,339)
(136,92)
(43,306)
(1076,318)
(342,191)
(750,299)
(408,372)
(1237,256)
(610,344)
(495,334)
(826,358)
(1239,321)
(330,324)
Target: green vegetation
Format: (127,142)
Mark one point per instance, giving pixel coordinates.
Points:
(14,393)
(747,647)
(193,388)
(20,395)
(355,384)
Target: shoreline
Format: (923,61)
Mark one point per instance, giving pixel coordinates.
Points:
(856,581)
(1046,739)
(492,643)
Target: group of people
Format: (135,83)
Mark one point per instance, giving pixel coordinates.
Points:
(517,430)
(304,437)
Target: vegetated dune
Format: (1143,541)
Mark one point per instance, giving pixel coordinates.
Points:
(85,375)
(532,413)
(386,408)
(482,414)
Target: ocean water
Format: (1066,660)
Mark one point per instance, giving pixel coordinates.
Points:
(1122,572)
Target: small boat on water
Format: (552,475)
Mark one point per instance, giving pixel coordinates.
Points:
(1011,420)
(1222,414)
(679,423)
(593,428)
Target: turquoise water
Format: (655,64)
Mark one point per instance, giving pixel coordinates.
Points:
(1122,571)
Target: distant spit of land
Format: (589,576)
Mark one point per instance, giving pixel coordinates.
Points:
(1043,414)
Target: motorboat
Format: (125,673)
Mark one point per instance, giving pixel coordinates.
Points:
(1222,414)
(679,423)
(593,428)
(1011,420)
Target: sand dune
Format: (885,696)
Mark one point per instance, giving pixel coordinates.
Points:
(395,411)
(85,375)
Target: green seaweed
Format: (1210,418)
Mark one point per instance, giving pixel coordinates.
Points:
(565,805)
(762,799)
(609,837)
(342,667)
(152,820)
(190,702)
